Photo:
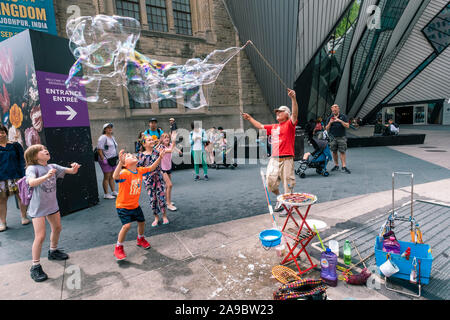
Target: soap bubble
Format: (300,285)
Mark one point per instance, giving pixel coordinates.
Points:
(104,49)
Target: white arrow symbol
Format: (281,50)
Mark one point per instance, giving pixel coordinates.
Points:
(70,112)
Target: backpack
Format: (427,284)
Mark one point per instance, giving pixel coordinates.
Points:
(95,154)
(25,191)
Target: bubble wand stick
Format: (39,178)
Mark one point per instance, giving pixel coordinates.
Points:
(268,200)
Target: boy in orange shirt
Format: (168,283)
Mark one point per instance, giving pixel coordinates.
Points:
(127,202)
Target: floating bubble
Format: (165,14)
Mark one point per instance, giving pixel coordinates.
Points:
(104,49)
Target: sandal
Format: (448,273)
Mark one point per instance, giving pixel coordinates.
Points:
(155,224)
(166,222)
(25,221)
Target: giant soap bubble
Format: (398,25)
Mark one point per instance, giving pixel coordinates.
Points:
(104,49)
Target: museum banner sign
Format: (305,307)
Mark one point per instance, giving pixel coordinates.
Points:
(18,15)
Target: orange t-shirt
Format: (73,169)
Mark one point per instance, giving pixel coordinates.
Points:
(130,184)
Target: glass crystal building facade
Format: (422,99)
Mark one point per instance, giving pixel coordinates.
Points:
(396,66)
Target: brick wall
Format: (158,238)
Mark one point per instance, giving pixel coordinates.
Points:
(212,29)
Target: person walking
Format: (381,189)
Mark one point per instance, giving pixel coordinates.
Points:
(281,164)
(107,159)
(12,168)
(336,126)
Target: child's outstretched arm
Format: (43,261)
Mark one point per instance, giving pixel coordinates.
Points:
(74,168)
(116,174)
(158,161)
(173,139)
(37,181)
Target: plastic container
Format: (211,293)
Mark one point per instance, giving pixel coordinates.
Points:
(421,252)
(328,262)
(347,253)
(334,247)
(281,250)
(391,245)
(270,238)
(389,269)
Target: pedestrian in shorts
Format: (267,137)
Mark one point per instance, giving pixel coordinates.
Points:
(337,123)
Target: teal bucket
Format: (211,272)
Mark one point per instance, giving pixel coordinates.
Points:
(270,238)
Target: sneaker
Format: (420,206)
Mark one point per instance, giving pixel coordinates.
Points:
(283,214)
(141,242)
(108,196)
(57,255)
(206,178)
(344,169)
(196,178)
(336,168)
(278,207)
(115,193)
(37,274)
(119,253)
(2,227)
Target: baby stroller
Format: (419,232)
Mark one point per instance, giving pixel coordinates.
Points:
(318,159)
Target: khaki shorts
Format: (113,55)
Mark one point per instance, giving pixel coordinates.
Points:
(280,172)
(339,144)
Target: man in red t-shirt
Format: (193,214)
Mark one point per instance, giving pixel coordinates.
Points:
(281,164)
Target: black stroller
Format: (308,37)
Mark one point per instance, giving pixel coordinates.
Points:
(318,159)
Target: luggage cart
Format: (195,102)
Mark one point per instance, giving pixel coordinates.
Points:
(420,259)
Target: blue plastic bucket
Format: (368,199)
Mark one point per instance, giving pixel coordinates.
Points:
(270,238)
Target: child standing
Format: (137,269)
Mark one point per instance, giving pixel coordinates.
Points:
(168,144)
(42,176)
(127,203)
(154,182)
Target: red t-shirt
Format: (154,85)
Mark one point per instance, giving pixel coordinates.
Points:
(283,138)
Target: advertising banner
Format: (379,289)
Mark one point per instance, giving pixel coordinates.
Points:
(18,15)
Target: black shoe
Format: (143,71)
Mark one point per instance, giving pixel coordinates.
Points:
(196,178)
(344,169)
(336,168)
(57,255)
(37,274)
(206,177)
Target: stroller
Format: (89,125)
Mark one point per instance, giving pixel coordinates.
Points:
(318,159)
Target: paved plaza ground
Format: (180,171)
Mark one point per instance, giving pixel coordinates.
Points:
(210,249)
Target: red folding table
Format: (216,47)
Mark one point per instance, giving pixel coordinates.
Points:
(302,234)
